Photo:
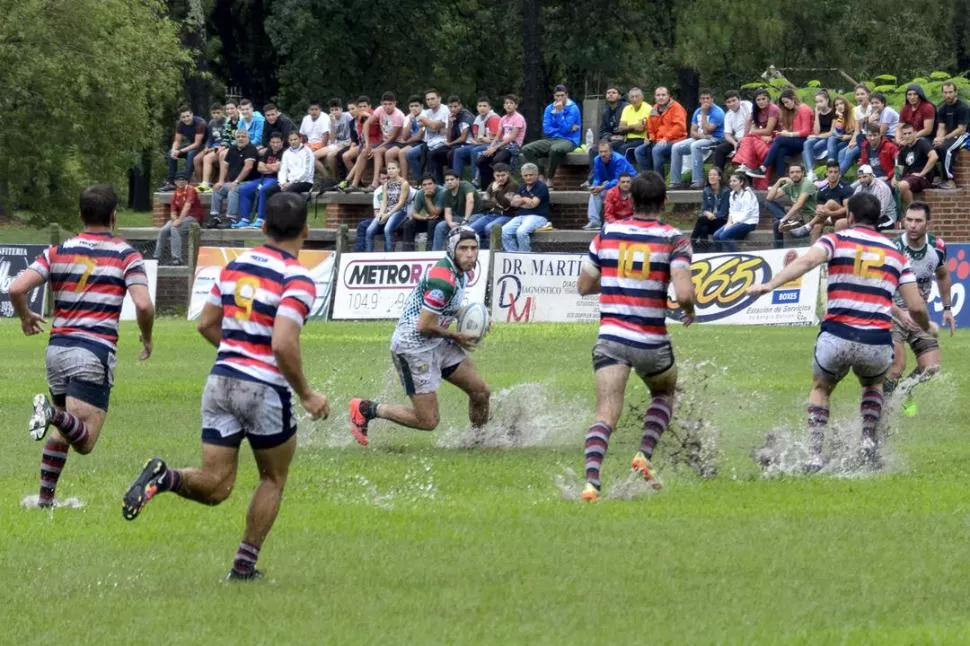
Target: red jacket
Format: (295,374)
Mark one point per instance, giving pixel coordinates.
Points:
(615,207)
(887,157)
(671,125)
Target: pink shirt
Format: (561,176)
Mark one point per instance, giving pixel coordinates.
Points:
(804,120)
(389,121)
(510,121)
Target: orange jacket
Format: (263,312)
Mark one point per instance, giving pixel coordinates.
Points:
(670,126)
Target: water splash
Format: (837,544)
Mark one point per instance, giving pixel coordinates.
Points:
(415,486)
(33,502)
(570,485)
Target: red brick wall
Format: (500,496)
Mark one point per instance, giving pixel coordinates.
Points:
(569,177)
(172,292)
(951,209)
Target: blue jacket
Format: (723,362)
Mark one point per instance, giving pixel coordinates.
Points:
(609,174)
(718,204)
(255,128)
(559,125)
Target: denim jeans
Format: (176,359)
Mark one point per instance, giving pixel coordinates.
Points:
(251,189)
(515,234)
(483,223)
(725,238)
(441,233)
(651,156)
(466,155)
(173,164)
(175,233)
(811,150)
(232,210)
(594,209)
(847,156)
(417,157)
(779,212)
(835,146)
(696,149)
(368,230)
(781,148)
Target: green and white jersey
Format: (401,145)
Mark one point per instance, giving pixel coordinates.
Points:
(924,261)
(441,291)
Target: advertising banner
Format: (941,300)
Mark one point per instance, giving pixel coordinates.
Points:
(958,262)
(319,264)
(14,258)
(128,305)
(376,285)
(540,287)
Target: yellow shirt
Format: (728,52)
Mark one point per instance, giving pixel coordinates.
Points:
(631,116)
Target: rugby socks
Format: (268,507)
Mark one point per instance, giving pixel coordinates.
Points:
(245,561)
(171,480)
(818,419)
(597,441)
(871,411)
(73,429)
(368,409)
(655,422)
(889,386)
(51,464)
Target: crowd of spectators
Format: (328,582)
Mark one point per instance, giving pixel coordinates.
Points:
(429,166)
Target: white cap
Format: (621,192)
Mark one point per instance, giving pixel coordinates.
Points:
(865,169)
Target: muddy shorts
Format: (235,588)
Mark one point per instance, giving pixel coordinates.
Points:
(835,356)
(421,372)
(920,341)
(82,371)
(236,409)
(647,362)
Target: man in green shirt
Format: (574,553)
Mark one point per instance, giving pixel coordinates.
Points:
(461,201)
(425,212)
(800,193)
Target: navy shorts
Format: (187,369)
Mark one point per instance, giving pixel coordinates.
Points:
(237,409)
(79,370)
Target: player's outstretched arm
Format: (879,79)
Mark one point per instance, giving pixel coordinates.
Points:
(286,349)
(145,315)
(22,285)
(915,304)
(808,261)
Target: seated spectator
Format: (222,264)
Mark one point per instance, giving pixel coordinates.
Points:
(760,133)
(377,199)
(268,167)
(213,142)
(918,111)
(484,130)
(189,139)
(618,204)
(532,201)
(369,137)
(952,118)
(275,121)
(743,214)
(867,183)
(800,193)
(412,134)
(706,132)
(917,162)
(391,122)
(817,144)
(315,132)
(186,209)
(561,123)
(497,205)
(340,141)
(609,129)
(715,205)
(795,124)
(506,148)
(666,126)
(239,166)
(879,152)
(393,209)
(843,127)
(295,172)
(251,121)
(830,209)
(460,122)
(735,124)
(210,162)
(860,113)
(426,210)
(434,120)
(607,168)
(461,201)
(633,125)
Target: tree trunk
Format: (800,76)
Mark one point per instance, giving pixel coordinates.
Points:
(961,42)
(194,39)
(531,105)
(688,87)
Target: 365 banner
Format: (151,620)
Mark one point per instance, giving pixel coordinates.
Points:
(958,263)
(212,259)
(376,285)
(14,258)
(542,287)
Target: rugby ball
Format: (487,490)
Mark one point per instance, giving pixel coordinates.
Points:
(473,319)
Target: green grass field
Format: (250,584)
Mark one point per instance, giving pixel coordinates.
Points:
(415,541)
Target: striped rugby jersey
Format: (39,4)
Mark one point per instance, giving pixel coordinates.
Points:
(441,291)
(260,285)
(635,257)
(89,275)
(864,270)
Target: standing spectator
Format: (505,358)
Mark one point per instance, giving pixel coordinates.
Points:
(618,204)
(843,127)
(879,152)
(239,166)
(561,123)
(633,125)
(369,137)
(800,192)
(341,126)
(760,132)
(275,121)
(269,168)
(886,117)
(252,121)
(186,208)
(461,202)
(315,132)
(189,139)
(666,126)
(295,172)
(459,128)
(918,111)
(393,209)
(533,204)
(715,205)
(505,149)
(860,113)
(795,124)
(743,214)
(213,142)
(917,162)
(391,122)
(485,129)
(427,209)
(952,118)
(434,120)
(497,206)
(735,125)
(817,144)
(706,132)
(831,204)
(607,168)
(412,134)
(867,183)
(609,129)
(210,162)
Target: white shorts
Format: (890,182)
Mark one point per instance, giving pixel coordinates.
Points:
(835,356)
(237,409)
(81,371)
(646,362)
(421,372)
